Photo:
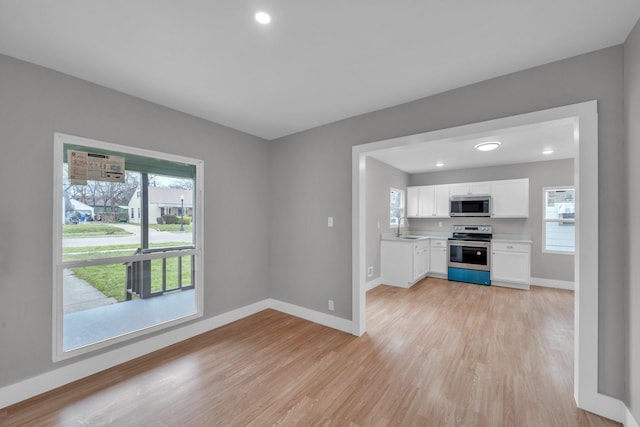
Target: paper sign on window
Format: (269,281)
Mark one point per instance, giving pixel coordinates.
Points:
(85,167)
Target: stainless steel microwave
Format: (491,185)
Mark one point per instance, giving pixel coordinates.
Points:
(470,206)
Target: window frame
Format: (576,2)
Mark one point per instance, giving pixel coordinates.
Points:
(58,353)
(546,220)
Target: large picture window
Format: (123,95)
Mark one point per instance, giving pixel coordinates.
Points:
(127,243)
(559,231)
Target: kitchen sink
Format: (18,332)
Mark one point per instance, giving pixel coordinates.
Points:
(410,237)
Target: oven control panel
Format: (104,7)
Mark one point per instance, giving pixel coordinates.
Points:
(473,229)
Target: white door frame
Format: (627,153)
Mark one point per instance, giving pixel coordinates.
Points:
(585,117)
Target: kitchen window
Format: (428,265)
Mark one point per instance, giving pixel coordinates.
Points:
(558,228)
(118,276)
(397,203)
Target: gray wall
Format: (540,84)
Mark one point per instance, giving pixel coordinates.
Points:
(311,177)
(632,120)
(380,178)
(283,192)
(36,102)
(540,174)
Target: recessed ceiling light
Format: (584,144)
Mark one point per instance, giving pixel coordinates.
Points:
(263,17)
(488,146)
(547,151)
(439,164)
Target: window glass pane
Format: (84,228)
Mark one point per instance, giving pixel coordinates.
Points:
(170,211)
(560,204)
(395,214)
(559,225)
(396,199)
(96,221)
(560,236)
(96,308)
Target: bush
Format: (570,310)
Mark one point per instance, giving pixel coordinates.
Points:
(159,220)
(175,219)
(170,219)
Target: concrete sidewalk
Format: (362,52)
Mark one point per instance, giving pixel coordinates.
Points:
(79,295)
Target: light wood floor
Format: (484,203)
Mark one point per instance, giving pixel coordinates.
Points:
(438,354)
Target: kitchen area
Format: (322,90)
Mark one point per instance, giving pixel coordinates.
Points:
(466,253)
(482,224)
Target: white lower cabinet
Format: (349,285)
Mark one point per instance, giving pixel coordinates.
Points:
(404,262)
(511,264)
(438,258)
(420,260)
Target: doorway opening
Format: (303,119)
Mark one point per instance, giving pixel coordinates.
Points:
(585,119)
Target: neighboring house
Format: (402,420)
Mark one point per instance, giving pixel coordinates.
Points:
(162,201)
(78,211)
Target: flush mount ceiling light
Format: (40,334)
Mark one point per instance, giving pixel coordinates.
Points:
(547,151)
(439,164)
(488,146)
(263,17)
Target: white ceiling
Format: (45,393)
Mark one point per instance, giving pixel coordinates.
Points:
(317,62)
(518,145)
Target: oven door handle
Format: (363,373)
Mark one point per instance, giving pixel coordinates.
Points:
(469,243)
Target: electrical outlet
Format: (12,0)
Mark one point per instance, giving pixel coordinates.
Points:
(370,271)
(330,221)
(331,307)
(440,224)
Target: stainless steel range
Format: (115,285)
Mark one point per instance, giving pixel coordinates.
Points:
(470,254)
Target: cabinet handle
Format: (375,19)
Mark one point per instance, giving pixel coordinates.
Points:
(509,247)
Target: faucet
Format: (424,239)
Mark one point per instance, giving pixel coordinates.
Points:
(400,218)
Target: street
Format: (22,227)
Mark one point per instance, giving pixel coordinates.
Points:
(155,236)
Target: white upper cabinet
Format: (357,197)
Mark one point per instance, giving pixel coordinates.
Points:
(428,201)
(510,198)
(470,188)
(441,201)
(413,202)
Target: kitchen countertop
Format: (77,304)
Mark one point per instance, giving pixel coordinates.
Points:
(498,238)
(391,237)
(511,238)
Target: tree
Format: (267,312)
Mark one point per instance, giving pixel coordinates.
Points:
(105,193)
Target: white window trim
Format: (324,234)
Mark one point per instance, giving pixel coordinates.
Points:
(58,354)
(545,221)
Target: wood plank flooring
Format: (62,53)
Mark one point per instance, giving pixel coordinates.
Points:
(438,354)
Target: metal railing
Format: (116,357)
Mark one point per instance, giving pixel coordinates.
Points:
(139,280)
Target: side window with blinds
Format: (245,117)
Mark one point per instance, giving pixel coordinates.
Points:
(559,209)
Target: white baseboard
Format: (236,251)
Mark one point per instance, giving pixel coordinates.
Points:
(58,377)
(551,283)
(609,407)
(628,420)
(510,285)
(373,283)
(334,322)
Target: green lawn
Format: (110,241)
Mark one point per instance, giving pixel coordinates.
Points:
(91,230)
(110,279)
(171,227)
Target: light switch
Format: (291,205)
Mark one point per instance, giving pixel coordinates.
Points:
(330,221)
